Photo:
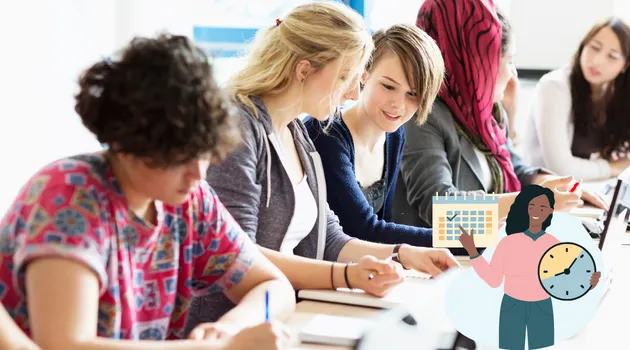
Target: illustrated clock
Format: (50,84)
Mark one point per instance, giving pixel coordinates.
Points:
(565,271)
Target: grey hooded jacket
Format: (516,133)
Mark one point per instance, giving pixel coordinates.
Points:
(257,191)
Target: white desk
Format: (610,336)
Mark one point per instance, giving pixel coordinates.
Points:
(606,331)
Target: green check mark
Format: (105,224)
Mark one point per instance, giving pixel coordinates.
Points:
(451,218)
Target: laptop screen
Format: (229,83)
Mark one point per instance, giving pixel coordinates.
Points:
(616,224)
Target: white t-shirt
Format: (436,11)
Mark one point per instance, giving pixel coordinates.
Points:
(304,217)
(547,135)
(486,174)
(304,212)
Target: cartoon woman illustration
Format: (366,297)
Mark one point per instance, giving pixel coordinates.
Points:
(526,305)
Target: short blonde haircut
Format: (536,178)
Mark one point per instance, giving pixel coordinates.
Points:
(421,59)
(319,32)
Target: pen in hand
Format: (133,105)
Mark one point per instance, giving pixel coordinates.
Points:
(267,319)
(575,186)
(372,275)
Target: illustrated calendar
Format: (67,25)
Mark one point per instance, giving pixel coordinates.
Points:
(478,212)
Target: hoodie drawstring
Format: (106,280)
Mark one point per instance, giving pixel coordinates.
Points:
(268,150)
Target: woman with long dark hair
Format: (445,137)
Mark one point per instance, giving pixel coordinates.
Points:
(579,118)
(526,305)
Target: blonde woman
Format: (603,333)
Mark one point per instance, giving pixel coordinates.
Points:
(274,185)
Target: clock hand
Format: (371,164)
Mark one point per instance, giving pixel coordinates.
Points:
(569,268)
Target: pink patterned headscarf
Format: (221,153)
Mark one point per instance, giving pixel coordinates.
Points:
(468,33)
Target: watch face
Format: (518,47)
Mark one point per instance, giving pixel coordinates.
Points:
(565,271)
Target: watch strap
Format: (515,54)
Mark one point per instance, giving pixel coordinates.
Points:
(396,255)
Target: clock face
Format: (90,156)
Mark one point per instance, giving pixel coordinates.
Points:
(565,271)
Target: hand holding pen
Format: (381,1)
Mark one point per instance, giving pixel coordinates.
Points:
(566,192)
(373,276)
(269,335)
(575,186)
(593,197)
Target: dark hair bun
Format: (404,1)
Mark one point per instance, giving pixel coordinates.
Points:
(93,84)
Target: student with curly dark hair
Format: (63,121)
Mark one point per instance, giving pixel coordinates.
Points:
(113,245)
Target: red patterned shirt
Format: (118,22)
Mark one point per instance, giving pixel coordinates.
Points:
(74,208)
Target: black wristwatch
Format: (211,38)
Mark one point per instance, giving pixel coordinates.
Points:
(396,256)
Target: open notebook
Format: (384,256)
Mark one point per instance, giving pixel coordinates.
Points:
(418,303)
(416,285)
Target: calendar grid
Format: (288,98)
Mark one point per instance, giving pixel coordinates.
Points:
(476,214)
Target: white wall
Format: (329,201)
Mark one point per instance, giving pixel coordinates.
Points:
(45,45)
(148,17)
(547,32)
(622,9)
(384,13)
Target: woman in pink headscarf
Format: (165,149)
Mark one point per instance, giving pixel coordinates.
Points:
(463,146)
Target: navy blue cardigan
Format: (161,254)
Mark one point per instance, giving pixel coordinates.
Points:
(345,197)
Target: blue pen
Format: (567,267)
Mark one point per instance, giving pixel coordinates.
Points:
(266,306)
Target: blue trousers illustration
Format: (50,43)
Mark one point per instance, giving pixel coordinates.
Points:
(517,316)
